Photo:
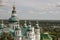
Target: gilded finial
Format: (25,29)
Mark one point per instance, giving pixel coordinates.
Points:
(13,11)
(13,7)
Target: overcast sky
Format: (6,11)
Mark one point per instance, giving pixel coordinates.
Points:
(32,9)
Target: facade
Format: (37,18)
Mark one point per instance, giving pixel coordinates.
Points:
(26,32)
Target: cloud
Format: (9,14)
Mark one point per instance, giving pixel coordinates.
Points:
(32,9)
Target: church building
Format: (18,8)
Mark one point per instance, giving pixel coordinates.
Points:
(26,32)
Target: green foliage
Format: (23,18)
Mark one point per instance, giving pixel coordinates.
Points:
(5,36)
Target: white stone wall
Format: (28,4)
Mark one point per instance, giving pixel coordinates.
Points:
(31,35)
(18,33)
(37,34)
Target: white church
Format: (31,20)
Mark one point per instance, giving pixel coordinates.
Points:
(26,32)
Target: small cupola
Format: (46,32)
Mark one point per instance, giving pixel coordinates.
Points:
(37,25)
(25,24)
(29,26)
(2,25)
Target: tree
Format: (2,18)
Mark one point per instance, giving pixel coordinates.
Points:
(6,36)
(57,33)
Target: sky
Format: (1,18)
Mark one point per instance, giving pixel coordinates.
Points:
(32,9)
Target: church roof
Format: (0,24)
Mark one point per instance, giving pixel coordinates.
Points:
(29,28)
(24,30)
(37,26)
(2,26)
(13,19)
(17,28)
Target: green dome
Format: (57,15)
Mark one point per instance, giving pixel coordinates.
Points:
(17,28)
(37,26)
(13,19)
(29,29)
(2,26)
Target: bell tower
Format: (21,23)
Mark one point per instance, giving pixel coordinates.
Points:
(30,32)
(13,20)
(37,31)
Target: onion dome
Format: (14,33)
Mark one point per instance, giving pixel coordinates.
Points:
(37,26)
(14,9)
(2,26)
(29,27)
(25,25)
(13,17)
(17,28)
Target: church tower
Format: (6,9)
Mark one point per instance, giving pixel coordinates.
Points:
(30,32)
(13,20)
(37,32)
(18,35)
(14,24)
